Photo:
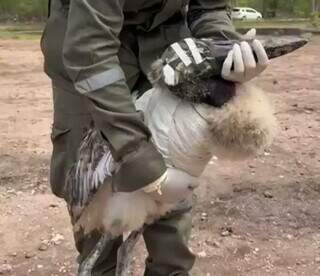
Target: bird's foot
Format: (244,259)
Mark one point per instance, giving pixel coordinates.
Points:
(86,267)
(125,253)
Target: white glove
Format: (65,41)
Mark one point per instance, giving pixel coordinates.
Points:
(173,187)
(240,64)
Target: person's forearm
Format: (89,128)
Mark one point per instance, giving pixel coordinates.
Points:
(90,55)
(207,18)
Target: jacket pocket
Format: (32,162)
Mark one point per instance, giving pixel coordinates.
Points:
(57,133)
(52,45)
(59,161)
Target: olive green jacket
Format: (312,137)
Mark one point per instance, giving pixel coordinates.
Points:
(81,44)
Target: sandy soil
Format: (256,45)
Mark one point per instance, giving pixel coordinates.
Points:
(259,217)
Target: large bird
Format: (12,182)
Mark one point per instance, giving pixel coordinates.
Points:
(190,123)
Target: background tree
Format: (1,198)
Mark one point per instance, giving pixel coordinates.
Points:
(23,9)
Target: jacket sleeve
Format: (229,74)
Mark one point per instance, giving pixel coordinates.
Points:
(90,55)
(211,18)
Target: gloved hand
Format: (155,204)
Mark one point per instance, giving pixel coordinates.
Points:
(240,65)
(173,187)
(135,170)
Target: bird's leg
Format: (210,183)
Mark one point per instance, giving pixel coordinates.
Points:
(125,253)
(87,265)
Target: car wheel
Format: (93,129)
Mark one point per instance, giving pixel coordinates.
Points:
(259,18)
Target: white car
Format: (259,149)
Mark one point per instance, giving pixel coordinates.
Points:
(246,14)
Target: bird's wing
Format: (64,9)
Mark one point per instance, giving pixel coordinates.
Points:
(89,171)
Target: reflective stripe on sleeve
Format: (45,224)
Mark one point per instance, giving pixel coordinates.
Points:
(100,80)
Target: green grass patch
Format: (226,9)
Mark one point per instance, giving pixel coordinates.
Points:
(275,23)
(34,31)
(21,32)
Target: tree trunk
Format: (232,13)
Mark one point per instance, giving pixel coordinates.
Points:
(264,8)
(313,6)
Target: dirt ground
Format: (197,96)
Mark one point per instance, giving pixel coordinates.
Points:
(259,217)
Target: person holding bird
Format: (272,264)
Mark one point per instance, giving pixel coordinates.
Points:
(97,54)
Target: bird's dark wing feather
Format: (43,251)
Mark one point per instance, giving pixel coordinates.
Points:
(89,171)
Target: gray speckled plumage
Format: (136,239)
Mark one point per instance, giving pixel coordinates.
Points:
(89,172)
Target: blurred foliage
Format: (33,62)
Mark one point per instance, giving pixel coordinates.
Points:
(315,19)
(17,10)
